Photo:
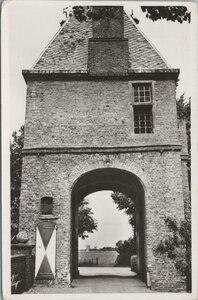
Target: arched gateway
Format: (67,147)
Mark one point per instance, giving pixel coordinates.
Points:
(101,114)
(110,179)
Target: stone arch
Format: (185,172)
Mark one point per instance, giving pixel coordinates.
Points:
(109,179)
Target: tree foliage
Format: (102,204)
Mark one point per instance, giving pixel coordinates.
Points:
(125,203)
(16,145)
(125,249)
(184,113)
(170,13)
(107,249)
(86,223)
(177,246)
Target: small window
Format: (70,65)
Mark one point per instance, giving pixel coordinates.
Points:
(142,93)
(46,205)
(143,120)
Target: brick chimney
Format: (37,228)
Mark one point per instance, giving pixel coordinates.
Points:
(108,49)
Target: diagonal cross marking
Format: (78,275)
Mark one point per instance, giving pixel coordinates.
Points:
(45,256)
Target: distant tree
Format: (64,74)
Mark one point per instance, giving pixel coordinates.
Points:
(184,113)
(127,204)
(177,246)
(86,223)
(125,249)
(16,145)
(169,13)
(107,249)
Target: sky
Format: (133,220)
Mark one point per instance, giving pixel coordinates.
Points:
(113,224)
(27,28)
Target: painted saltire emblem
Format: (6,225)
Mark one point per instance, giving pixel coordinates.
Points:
(45,250)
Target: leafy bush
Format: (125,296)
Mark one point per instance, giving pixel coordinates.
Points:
(177,247)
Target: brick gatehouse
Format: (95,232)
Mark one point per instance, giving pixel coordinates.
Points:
(101,115)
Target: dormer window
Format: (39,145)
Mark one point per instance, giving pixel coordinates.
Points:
(142,108)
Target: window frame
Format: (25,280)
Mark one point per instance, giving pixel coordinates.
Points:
(151,95)
(142,113)
(142,104)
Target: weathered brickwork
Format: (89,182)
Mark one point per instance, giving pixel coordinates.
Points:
(95,113)
(54,175)
(183,136)
(108,57)
(109,27)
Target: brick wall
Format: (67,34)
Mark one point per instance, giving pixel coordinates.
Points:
(54,175)
(107,57)
(109,27)
(183,136)
(95,113)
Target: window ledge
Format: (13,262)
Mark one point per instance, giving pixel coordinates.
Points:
(142,103)
(48,217)
(143,133)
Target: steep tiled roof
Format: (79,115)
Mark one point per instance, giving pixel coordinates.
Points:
(141,53)
(68,50)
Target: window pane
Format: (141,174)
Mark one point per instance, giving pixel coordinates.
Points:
(142,92)
(149,130)
(142,124)
(147,99)
(148,117)
(141,87)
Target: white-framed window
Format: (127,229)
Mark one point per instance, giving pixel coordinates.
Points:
(142,107)
(142,93)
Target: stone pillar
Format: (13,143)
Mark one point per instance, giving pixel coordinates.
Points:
(25,250)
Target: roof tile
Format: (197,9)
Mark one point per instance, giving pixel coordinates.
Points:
(68,50)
